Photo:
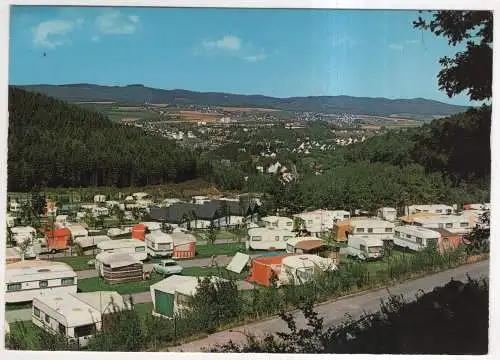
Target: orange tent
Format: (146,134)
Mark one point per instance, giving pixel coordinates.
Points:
(139,232)
(263,268)
(340,229)
(58,239)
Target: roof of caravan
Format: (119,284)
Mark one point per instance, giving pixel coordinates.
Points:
(181,238)
(22,229)
(112,244)
(28,270)
(182,284)
(309,244)
(262,230)
(371,222)
(275,218)
(294,241)
(417,231)
(152,225)
(87,241)
(104,301)
(307,260)
(116,259)
(75,311)
(370,240)
(444,218)
(159,236)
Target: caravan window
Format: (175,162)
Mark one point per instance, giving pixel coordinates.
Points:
(388,230)
(286,238)
(14,287)
(140,249)
(256,238)
(309,222)
(277,238)
(370,230)
(419,241)
(84,330)
(289,223)
(36,311)
(67,281)
(62,329)
(163,246)
(362,247)
(396,233)
(47,318)
(449,225)
(374,249)
(464,224)
(43,284)
(408,236)
(439,211)
(360,230)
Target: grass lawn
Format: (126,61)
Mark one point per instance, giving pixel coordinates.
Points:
(97,284)
(77,262)
(213,271)
(144,309)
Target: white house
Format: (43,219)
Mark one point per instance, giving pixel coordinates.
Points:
(267,239)
(77,316)
(27,279)
(378,228)
(433,209)
(414,237)
(277,222)
(387,213)
(99,198)
(457,224)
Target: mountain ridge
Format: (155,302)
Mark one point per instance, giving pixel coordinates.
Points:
(139,94)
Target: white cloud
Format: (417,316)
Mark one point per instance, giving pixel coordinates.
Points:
(255,58)
(396,47)
(227,43)
(114,23)
(96,38)
(52,33)
(233,46)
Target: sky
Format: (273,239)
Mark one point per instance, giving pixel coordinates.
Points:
(281,53)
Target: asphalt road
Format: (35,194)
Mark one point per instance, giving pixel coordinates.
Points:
(221,260)
(334,312)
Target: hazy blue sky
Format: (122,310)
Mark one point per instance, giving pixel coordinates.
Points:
(271,52)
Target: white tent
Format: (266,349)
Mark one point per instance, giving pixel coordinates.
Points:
(238,262)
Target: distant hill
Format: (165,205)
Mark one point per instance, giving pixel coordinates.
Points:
(138,94)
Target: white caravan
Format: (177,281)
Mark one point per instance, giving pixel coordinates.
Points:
(277,222)
(387,213)
(453,223)
(26,279)
(414,237)
(432,209)
(302,268)
(76,316)
(266,239)
(136,248)
(376,228)
(159,244)
(364,247)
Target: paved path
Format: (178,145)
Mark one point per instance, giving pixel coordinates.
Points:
(334,312)
(221,260)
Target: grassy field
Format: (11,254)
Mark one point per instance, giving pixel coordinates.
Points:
(77,262)
(144,309)
(204,251)
(98,284)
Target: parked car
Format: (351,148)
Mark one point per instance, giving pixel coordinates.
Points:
(167,268)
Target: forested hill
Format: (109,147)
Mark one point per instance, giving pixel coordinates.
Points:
(138,94)
(52,143)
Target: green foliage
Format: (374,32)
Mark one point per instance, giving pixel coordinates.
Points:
(479,237)
(54,144)
(470,70)
(212,233)
(457,312)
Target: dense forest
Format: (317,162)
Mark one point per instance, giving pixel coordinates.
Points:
(55,144)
